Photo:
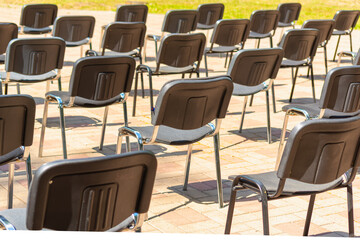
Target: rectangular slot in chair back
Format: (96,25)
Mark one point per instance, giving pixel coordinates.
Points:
(104,86)
(75,32)
(36,63)
(352,99)
(40,20)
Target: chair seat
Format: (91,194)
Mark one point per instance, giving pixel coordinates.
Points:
(312,109)
(292,63)
(12,156)
(292,187)
(17,77)
(345,53)
(204,26)
(172,70)
(242,90)
(16,216)
(283,24)
(114,54)
(172,136)
(30,30)
(83,102)
(340,32)
(259,35)
(221,49)
(78,43)
(153,37)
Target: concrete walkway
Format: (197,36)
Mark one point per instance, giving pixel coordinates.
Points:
(196,210)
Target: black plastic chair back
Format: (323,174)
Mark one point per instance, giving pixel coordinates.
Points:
(74,28)
(101,78)
(180,21)
(209,13)
(17,118)
(289,12)
(8,31)
(264,21)
(38,15)
(124,36)
(322,150)
(192,103)
(300,44)
(230,32)
(346,19)
(93,194)
(35,56)
(131,13)
(324,26)
(181,50)
(251,67)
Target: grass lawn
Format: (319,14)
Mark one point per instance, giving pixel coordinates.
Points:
(311,9)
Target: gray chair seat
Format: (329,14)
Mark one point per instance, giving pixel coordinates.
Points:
(172,136)
(83,102)
(16,216)
(13,155)
(171,70)
(292,63)
(258,35)
(78,43)
(282,24)
(242,90)
(114,54)
(17,77)
(30,30)
(292,187)
(339,32)
(221,49)
(312,109)
(204,26)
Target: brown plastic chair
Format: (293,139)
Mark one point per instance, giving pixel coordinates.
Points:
(109,193)
(339,98)
(17,117)
(263,25)
(31,60)
(122,38)
(300,47)
(325,28)
(289,14)
(37,18)
(229,36)
(95,82)
(75,30)
(354,55)
(320,155)
(129,13)
(178,54)
(175,21)
(8,31)
(209,14)
(183,115)
(250,71)
(345,22)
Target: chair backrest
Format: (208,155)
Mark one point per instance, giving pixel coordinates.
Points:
(230,32)
(131,13)
(17,118)
(101,78)
(341,91)
(123,36)
(325,27)
(34,56)
(209,13)
(91,194)
(289,12)
(192,103)
(300,44)
(38,15)
(251,67)
(8,31)
(264,21)
(180,21)
(74,28)
(181,50)
(322,150)
(346,19)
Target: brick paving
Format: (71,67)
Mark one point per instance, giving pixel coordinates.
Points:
(173,210)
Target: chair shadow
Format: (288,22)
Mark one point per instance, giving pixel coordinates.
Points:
(146,92)
(69,63)
(316,77)
(111,149)
(298,100)
(74,121)
(239,113)
(258,134)
(332,234)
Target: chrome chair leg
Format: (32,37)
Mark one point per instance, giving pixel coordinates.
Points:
(118,144)
(325,60)
(206,65)
(336,48)
(11,185)
(43,127)
(28,170)
(135,93)
(265,212)
(126,123)
(282,139)
(103,127)
(271,42)
(268,117)
(350,210)
(187,167)
(251,100)
(218,170)
(350,37)
(151,92)
(230,213)
(312,82)
(309,214)
(62,126)
(243,114)
(59,84)
(293,84)
(273,97)
(18,88)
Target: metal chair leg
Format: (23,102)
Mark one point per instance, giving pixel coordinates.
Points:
(350,37)
(293,84)
(309,214)
(151,92)
(218,170)
(258,43)
(43,127)
(243,113)
(103,127)
(59,84)
(18,88)
(325,60)
(268,117)
(118,144)
(231,208)
(187,167)
(312,82)
(265,212)
(282,139)
(62,126)
(11,185)
(273,97)
(28,170)
(336,48)
(251,100)
(135,93)
(350,210)
(6,88)
(126,123)
(271,42)
(206,66)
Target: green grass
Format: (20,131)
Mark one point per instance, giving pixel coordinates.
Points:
(311,9)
